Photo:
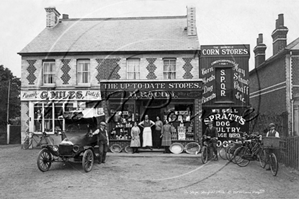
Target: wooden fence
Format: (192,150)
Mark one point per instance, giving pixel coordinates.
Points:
(288,154)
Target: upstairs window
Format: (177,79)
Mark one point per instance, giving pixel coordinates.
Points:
(83,71)
(48,72)
(169,68)
(133,68)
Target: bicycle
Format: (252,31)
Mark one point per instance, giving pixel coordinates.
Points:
(270,143)
(33,140)
(206,150)
(251,150)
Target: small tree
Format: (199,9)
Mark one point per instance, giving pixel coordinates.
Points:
(9,85)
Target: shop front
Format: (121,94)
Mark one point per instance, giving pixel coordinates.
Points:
(175,101)
(45,108)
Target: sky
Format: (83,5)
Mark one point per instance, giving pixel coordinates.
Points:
(218,21)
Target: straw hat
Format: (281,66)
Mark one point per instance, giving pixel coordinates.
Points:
(103,123)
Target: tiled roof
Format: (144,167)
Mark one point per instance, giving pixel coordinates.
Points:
(294,45)
(115,34)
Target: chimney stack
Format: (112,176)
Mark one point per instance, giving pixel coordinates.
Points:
(52,17)
(259,51)
(279,35)
(65,16)
(191,21)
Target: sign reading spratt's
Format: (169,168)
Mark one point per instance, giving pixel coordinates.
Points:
(42,95)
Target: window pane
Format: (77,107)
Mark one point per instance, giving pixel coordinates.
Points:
(83,71)
(133,68)
(38,118)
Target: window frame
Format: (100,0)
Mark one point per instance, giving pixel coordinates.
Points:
(48,74)
(136,73)
(171,72)
(80,71)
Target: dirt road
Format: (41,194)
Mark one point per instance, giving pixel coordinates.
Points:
(140,177)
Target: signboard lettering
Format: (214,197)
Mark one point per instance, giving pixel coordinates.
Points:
(61,95)
(151,86)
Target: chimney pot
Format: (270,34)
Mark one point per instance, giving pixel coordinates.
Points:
(65,16)
(260,38)
(280,20)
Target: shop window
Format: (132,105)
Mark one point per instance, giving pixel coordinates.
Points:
(169,69)
(122,118)
(48,72)
(58,122)
(48,117)
(38,117)
(133,68)
(179,115)
(83,71)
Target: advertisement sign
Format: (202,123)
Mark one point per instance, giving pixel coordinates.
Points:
(42,95)
(187,85)
(181,132)
(225,74)
(230,123)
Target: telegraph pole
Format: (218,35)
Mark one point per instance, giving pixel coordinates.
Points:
(7,112)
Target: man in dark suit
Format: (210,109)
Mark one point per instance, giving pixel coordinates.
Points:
(211,132)
(102,141)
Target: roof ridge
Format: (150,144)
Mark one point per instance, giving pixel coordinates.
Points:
(125,18)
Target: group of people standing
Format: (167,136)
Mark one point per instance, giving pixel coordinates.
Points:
(161,129)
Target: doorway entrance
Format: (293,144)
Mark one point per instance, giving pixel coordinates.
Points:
(154,110)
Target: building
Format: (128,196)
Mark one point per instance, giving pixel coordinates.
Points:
(124,67)
(274,84)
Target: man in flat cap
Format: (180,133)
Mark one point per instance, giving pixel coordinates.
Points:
(102,141)
(212,132)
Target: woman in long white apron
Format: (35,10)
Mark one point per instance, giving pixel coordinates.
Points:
(147,132)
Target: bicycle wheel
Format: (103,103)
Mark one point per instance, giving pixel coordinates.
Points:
(273,164)
(237,154)
(262,158)
(204,155)
(241,156)
(230,152)
(222,153)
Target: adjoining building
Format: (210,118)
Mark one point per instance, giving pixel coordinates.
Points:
(124,67)
(274,84)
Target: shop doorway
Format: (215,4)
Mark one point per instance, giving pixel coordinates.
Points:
(154,110)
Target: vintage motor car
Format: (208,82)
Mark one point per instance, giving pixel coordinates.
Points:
(77,145)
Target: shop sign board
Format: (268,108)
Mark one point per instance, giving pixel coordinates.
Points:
(225,74)
(152,86)
(41,95)
(230,123)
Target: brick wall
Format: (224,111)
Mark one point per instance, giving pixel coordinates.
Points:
(269,75)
